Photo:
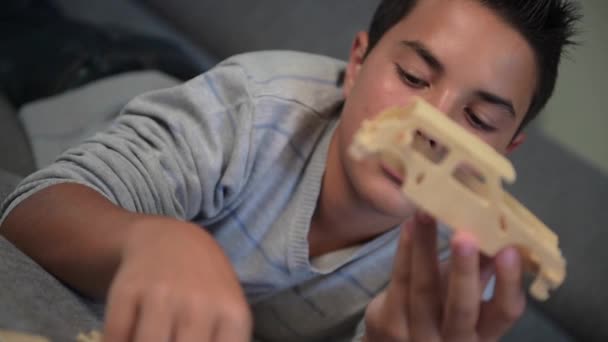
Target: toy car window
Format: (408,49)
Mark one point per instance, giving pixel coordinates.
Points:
(429,147)
(471,178)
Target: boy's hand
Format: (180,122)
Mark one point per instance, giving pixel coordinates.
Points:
(420,304)
(174,283)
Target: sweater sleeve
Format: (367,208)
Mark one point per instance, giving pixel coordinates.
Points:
(179,152)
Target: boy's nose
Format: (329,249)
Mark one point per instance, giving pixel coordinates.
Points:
(445,100)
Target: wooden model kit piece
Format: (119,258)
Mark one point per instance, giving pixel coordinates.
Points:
(456,177)
(93,336)
(12,336)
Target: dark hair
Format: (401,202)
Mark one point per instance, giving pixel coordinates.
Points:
(547,25)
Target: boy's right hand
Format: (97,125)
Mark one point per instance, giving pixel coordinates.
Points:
(426,303)
(174,283)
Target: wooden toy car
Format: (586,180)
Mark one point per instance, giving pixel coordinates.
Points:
(14,336)
(455,176)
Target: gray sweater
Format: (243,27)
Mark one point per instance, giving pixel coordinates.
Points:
(241,151)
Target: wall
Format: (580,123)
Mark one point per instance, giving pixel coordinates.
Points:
(577,117)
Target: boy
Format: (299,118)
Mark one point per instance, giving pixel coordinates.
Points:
(230,203)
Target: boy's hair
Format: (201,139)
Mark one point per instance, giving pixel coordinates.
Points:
(547,25)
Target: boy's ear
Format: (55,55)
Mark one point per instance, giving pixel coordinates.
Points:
(355,61)
(516,142)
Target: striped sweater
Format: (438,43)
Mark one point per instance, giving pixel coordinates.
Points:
(241,151)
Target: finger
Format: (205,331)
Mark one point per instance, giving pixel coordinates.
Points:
(385,320)
(232,331)
(463,296)
(401,264)
(508,303)
(389,309)
(424,294)
(486,271)
(155,320)
(121,315)
(195,325)
(444,274)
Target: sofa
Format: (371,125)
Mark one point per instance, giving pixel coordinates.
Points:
(566,192)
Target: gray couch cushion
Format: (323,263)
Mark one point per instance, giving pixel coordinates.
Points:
(15,152)
(228,27)
(33,301)
(56,123)
(8,181)
(536,326)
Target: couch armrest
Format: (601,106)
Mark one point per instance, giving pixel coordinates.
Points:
(15,149)
(8,182)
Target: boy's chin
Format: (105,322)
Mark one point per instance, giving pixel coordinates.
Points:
(385,197)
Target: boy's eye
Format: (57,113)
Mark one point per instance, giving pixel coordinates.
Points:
(475,121)
(410,79)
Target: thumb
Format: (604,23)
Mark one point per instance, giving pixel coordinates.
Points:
(402,260)
(402,264)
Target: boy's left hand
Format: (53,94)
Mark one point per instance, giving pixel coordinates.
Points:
(423,303)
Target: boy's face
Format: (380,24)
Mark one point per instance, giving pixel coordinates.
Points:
(459,56)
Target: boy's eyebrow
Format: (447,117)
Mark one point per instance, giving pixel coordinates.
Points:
(425,54)
(497,100)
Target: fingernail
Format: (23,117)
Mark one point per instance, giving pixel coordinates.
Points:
(464,244)
(509,257)
(466,248)
(424,218)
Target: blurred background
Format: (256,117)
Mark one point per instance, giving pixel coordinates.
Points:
(576,115)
